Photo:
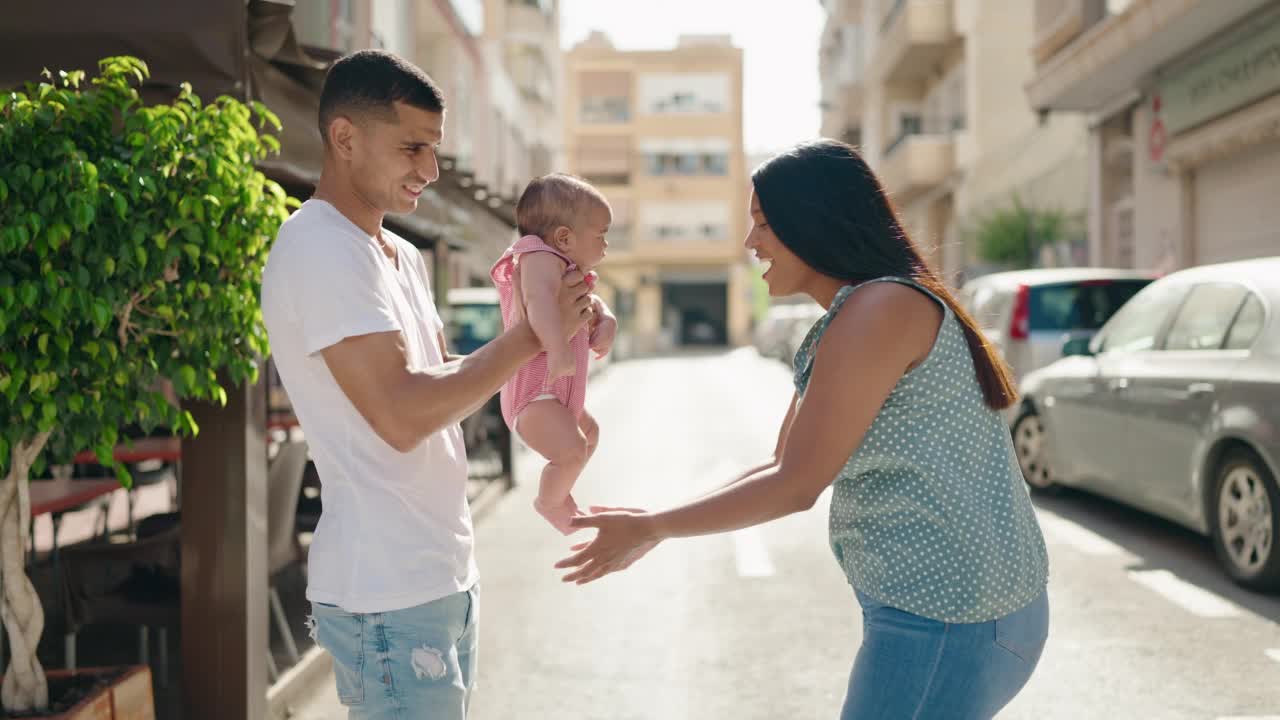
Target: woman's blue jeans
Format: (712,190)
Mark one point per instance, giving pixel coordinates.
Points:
(913,668)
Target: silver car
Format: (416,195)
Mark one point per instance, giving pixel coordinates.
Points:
(1029,314)
(1174,408)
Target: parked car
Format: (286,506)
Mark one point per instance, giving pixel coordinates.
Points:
(1174,408)
(473,318)
(775,336)
(1029,314)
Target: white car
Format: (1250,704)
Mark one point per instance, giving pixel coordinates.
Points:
(1029,314)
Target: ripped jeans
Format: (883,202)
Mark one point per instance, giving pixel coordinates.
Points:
(419,662)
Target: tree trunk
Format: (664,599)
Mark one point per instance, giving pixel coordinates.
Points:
(24,686)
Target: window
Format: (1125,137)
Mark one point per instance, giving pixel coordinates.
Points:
(1203,320)
(603,110)
(606,96)
(685,221)
(1137,325)
(989,305)
(687,164)
(1247,325)
(680,93)
(1080,306)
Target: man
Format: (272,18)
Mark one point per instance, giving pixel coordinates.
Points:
(359,346)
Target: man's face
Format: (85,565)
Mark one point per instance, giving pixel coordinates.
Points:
(394,158)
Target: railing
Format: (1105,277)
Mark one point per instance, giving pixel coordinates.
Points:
(894,11)
(898,141)
(605,110)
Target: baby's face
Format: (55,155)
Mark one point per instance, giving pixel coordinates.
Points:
(587,245)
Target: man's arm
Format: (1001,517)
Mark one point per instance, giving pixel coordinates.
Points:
(405,406)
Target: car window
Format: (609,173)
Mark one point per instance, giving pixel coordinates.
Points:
(989,305)
(1136,326)
(1203,320)
(474,325)
(1081,305)
(1247,325)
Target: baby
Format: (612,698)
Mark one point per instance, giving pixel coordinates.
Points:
(562,222)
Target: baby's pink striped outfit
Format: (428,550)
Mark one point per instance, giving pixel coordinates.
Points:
(530,382)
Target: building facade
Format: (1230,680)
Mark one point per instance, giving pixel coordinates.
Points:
(1183,105)
(660,133)
(929,89)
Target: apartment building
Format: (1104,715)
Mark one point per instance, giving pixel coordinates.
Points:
(1183,106)
(930,91)
(660,133)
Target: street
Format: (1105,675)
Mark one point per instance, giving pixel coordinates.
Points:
(761,624)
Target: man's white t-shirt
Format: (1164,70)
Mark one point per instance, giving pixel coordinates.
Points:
(396,529)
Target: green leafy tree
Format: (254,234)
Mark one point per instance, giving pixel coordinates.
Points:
(1013,235)
(132,240)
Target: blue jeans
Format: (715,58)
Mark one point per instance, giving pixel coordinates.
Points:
(414,663)
(913,668)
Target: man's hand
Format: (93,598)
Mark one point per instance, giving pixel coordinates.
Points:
(575,303)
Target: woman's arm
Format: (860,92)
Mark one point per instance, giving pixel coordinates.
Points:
(876,337)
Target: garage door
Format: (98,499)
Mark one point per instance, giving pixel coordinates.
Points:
(1237,206)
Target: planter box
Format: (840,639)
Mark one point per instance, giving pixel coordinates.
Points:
(127,697)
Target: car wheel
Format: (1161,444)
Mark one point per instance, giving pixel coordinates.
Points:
(1030,444)
(1245,502)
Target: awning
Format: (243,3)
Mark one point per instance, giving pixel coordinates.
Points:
(246,50)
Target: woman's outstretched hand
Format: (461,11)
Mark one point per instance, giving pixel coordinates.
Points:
(623,536)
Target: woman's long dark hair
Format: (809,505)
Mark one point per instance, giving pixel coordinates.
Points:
(827,207)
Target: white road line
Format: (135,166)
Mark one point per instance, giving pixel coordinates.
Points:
(750,554)
(1273,653)
(1080,538)
(1194,599)
(1248,717)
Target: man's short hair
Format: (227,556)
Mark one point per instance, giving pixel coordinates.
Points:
(554,200)
(369,82)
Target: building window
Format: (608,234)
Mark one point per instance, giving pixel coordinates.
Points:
(603,110)
(684,93)
(690,164)
(685,221)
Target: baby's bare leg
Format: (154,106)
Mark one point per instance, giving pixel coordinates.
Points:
(591,431)
(551,430)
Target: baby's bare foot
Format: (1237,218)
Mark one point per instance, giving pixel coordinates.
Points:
(558,515)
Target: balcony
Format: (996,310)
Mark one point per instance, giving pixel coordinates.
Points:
(1058,22)
(1114,56)
(527,66)
(915,36)
(916,163)
(529,19)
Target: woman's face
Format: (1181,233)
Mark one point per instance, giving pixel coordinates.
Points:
(787,274)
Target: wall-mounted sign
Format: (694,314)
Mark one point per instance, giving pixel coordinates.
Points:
(1235,76)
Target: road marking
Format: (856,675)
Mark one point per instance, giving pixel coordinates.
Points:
(1273,653)
(750,554)
(1078,537)
(1193,599)
(1248,717)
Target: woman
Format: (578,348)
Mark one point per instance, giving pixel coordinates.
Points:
(896,407)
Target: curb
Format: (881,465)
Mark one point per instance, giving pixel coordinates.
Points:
(299,683)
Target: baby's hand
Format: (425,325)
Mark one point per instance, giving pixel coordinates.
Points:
(603,331)
(560,364)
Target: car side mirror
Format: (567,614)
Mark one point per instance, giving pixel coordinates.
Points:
(1077,346)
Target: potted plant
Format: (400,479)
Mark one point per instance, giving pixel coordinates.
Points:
(132,240)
